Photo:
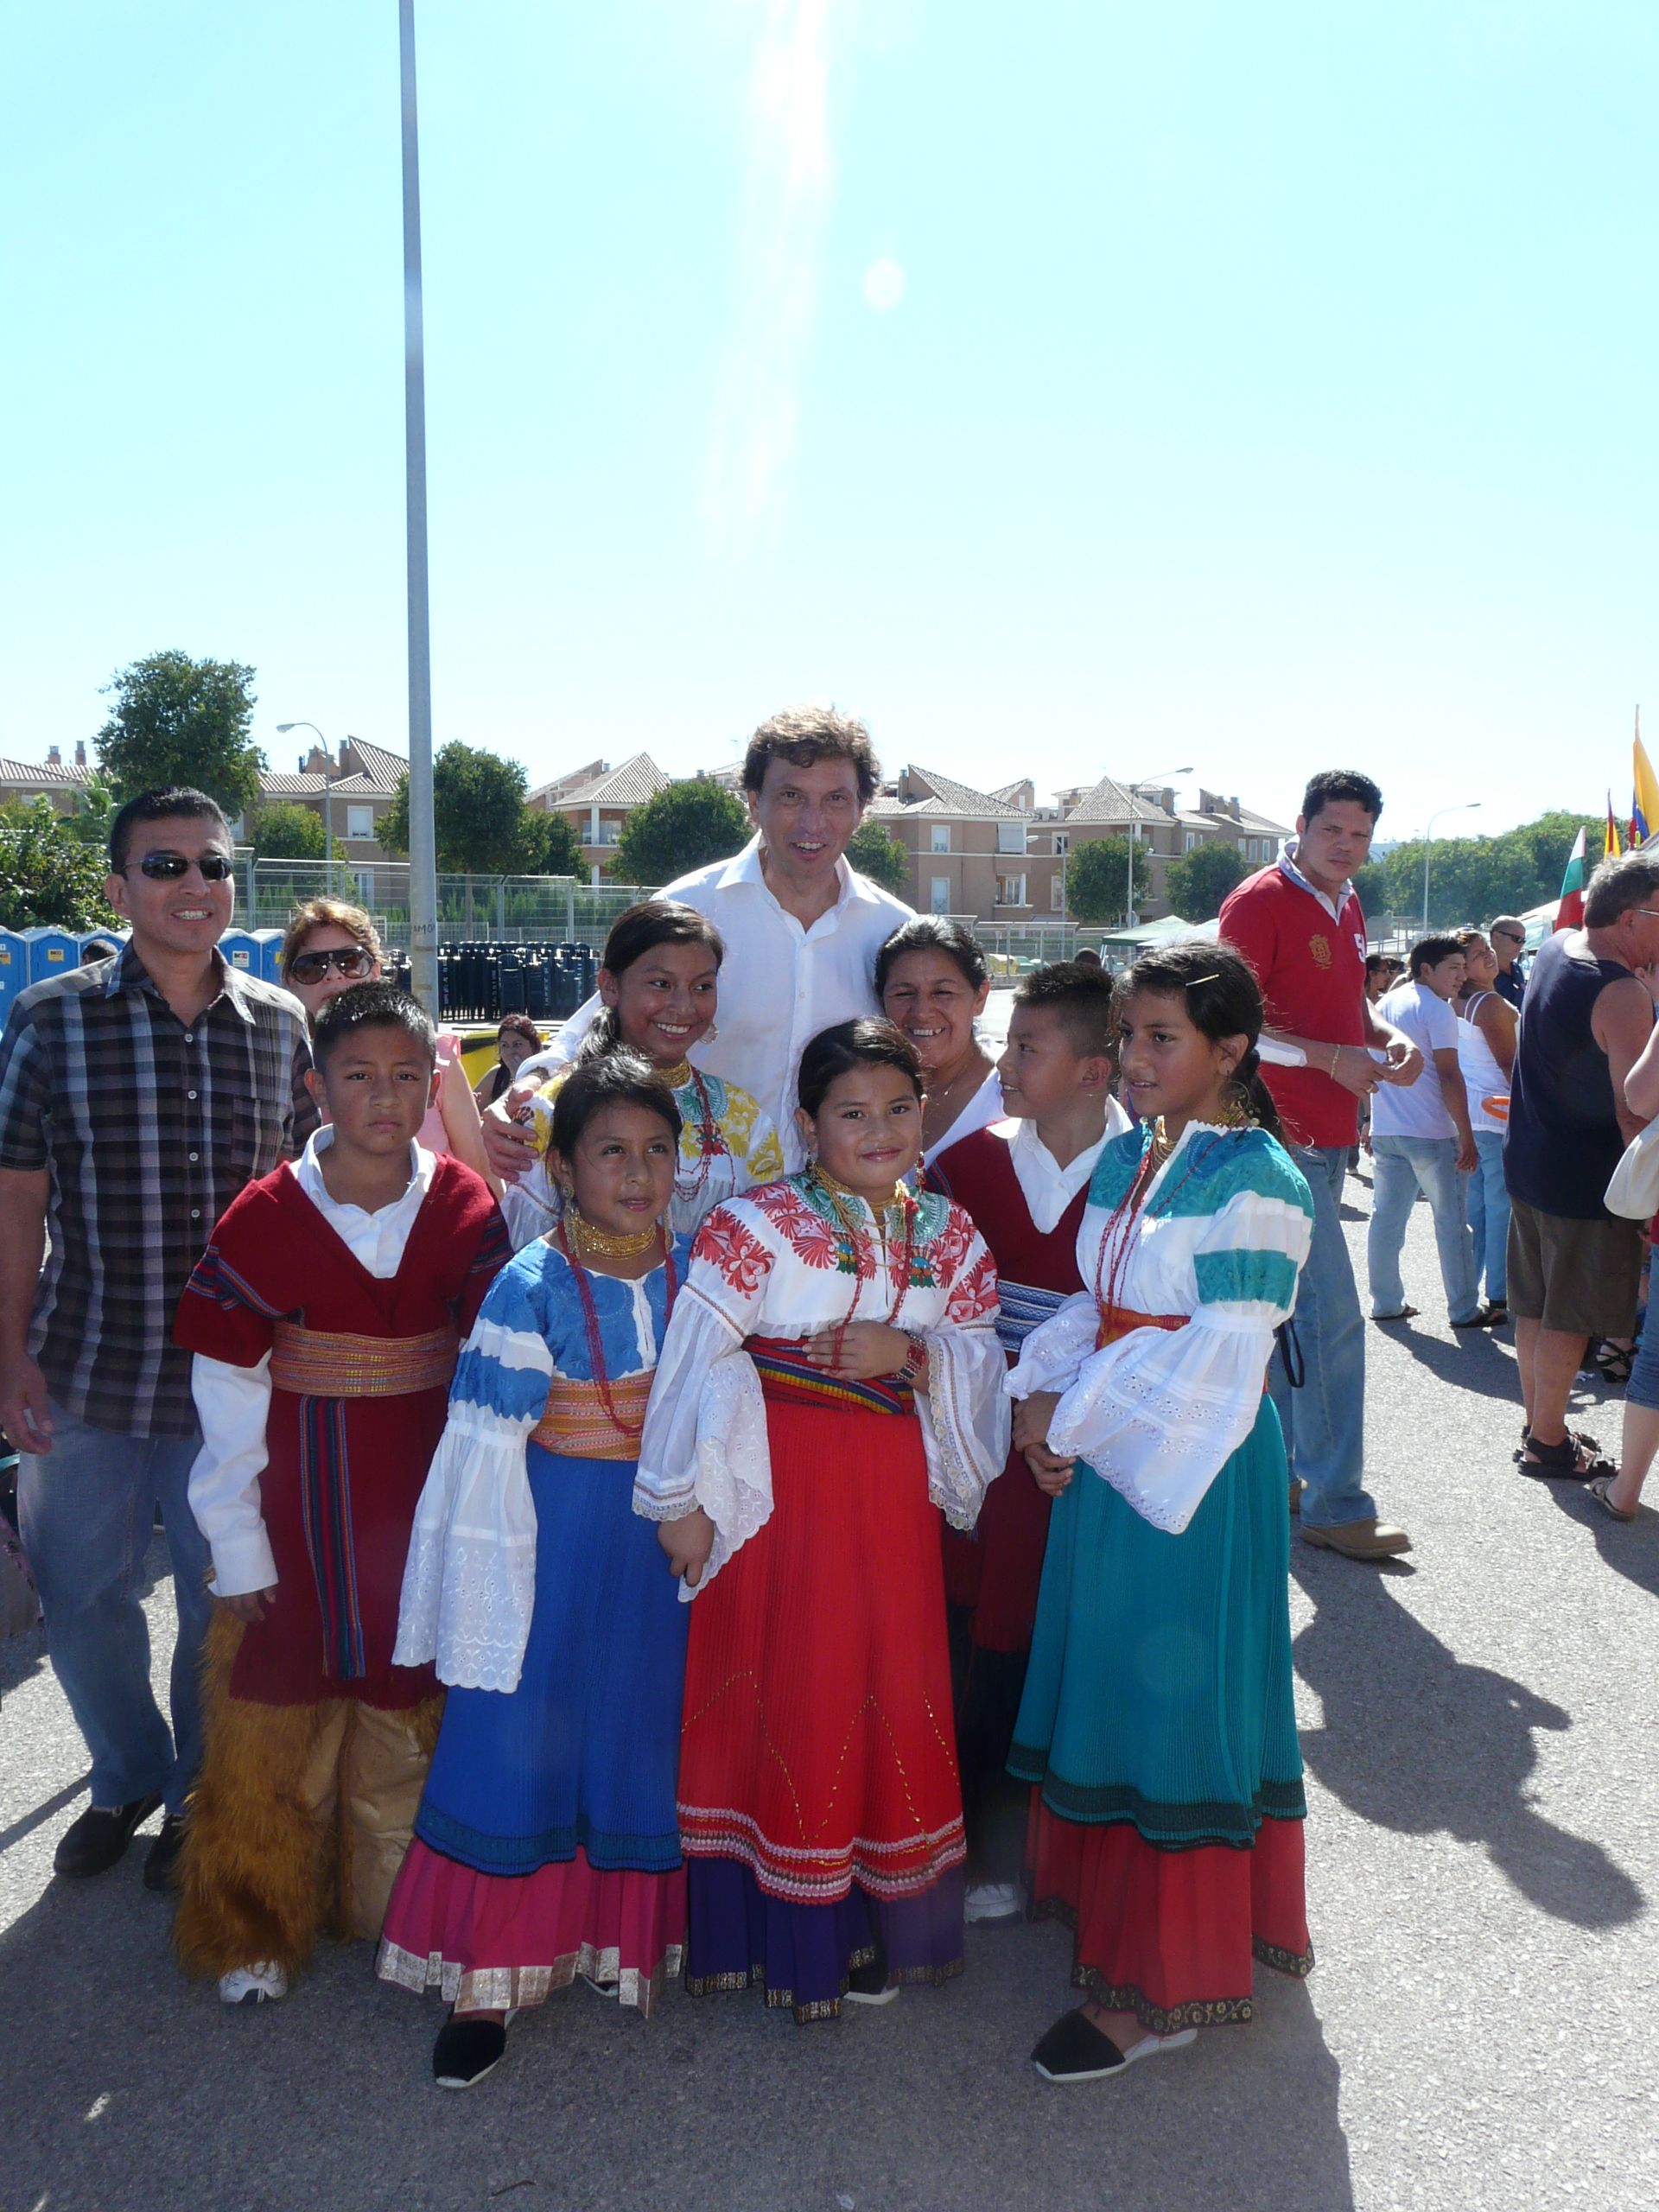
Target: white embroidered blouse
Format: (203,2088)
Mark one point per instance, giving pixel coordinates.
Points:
(1221,1237)
(779,1262)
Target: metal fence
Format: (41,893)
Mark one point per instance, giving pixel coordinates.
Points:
(472,909)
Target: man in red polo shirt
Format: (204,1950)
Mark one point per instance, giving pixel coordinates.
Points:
(1299,924)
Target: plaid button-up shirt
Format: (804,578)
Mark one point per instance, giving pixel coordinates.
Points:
(149,1129)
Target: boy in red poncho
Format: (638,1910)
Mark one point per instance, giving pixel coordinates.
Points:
(1025,1182)
(325,1317)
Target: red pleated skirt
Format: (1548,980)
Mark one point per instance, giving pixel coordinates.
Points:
(1170,1935)
(817,1744)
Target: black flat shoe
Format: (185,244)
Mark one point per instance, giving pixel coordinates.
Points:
(465,2052)
(868,1984)
(99,1839)
(1074,2049)
(161,1865)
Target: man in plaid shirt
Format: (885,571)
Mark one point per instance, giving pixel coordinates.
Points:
(137,1096)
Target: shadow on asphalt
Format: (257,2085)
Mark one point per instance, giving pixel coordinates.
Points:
(1416,1741)
(1630,1548)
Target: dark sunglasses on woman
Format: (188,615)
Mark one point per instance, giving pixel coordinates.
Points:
(352,960)
(168,867)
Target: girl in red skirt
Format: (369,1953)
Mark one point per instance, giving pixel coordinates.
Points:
(831,1379)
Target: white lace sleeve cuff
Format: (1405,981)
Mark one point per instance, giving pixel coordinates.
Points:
(965,1417)
(469,1585)
(1160,1412)
(1056,1348)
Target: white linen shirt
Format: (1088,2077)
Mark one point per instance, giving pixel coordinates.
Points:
(232,1403)
(1416,1110)
(780,984)
(1047,1187)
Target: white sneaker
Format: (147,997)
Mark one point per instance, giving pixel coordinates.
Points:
(257,1985)
(991,1901)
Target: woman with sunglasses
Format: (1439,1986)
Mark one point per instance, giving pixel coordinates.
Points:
(332,945)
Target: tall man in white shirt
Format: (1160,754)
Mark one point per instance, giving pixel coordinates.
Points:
(1420,1138)
(801,928)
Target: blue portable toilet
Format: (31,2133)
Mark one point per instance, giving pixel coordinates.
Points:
(241,948)
(271,944)
(14,968)
(52,951)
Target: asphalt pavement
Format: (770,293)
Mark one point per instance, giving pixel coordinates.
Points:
(1482,1851)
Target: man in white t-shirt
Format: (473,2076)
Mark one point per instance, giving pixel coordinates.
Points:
(1420,1138)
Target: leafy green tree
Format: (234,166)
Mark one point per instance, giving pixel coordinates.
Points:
(49,874)
(179,720)
(1471,879)
(549,846)
(1097,879)
(685,826)
(874,851)
(1371,884)
(94,815)
(1195,885)
(478,812)
(283,831)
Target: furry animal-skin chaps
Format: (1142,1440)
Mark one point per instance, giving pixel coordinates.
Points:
(290,1797)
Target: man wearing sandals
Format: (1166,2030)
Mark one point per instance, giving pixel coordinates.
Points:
(1572,1266)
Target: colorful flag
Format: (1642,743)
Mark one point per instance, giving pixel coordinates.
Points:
(1644,797)
(1610,850)
(1569,915)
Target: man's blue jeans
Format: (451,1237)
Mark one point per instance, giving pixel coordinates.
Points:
(87,1511)
(1325,1421)
(1404,1166)
(1488,1215)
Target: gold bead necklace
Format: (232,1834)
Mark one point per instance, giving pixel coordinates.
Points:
(605,1242)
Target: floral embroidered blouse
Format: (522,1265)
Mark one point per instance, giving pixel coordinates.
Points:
(1220,1237)
(780,1263)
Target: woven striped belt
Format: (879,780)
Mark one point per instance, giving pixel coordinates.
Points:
(577,1426)
(1117,1321)
(333,1364)
(1021,1308)
(788,1378)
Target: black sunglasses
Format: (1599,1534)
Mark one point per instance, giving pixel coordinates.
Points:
(352,960)
(168,867)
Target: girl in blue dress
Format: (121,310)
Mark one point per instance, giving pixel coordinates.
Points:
(547,1845)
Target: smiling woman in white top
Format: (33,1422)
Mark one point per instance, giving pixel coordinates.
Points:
(932,981)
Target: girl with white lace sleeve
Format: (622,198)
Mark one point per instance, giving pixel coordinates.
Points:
(1156,1721)
(547,1844)
(830,1380)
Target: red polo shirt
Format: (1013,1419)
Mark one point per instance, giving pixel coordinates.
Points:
(1312,971)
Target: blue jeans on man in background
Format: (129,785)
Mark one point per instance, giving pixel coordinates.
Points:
(1324,1421)
(1404,1166)
(87,1513)
(1488,1215)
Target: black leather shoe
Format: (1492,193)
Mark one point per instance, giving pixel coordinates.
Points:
(161,1865)
(465,2051)
(99,1839)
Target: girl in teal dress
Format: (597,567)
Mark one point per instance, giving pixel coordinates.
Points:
(1158,1724)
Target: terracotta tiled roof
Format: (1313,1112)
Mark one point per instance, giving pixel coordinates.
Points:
(49,772)
(1110,802)
(631,784)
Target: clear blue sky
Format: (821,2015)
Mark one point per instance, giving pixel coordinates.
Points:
(1269,388)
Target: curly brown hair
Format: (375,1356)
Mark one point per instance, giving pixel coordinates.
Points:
(803,734)
(320,913)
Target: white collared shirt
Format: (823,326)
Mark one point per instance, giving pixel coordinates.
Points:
(1288,867)
(780,983)
(1048,1187)
(376,1239)
(232,1404)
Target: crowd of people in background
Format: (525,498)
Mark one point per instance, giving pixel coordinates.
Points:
(587,1492)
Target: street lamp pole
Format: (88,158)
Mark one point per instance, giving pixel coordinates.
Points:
(422,862)
(1467,807)
(283,728)
(1128,904)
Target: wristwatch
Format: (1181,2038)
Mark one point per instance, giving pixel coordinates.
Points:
(915,1359)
